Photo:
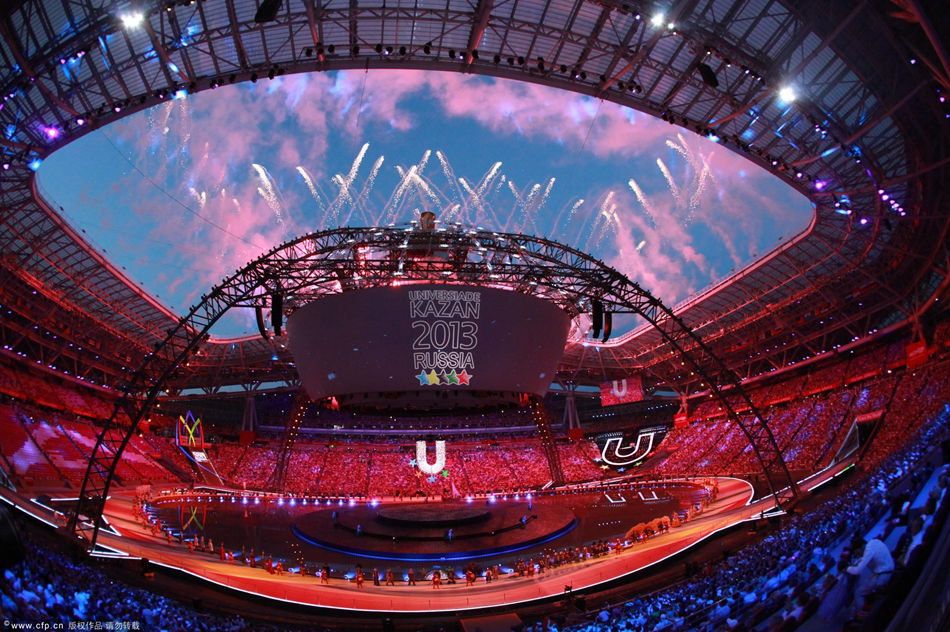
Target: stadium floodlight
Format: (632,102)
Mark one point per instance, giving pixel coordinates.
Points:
(658,19)
(132,20)
(787,94)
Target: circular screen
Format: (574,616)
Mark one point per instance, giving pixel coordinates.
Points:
(424,339)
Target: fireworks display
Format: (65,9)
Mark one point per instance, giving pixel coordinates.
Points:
(188,191)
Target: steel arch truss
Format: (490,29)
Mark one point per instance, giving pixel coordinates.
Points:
(349,259)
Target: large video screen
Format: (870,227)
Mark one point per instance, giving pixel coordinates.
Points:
(427,337)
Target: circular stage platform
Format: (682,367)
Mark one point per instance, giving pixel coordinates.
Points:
(433,515)
(301,533)
(259,526)
(436,532)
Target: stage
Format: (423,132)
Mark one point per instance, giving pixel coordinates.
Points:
(731,507)
(132,539)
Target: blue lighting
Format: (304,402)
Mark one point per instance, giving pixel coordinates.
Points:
(35,164)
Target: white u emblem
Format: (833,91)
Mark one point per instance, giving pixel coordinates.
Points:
(422,459)
(629,457)
(619,388)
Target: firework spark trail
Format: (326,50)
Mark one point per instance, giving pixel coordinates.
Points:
(519,204)
(409,178)
(487,183)
(201,197)
(342,198)
(423,185)
(525,202)
(475,199)
(587,228)
(267,191)
(680,147)
(436,197)
(677,197)
(644,201)
(363,195)
(450,176)
(522,208)
(528,203)
(317,195)
(571,212)
(460,190)
(476,202)
(538,199)
(606,214)
(472,195)
(345,183)
(163,150)
(698,180)
(704,176)
(357,162)
(405,178)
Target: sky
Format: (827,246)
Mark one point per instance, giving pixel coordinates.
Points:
(184,193)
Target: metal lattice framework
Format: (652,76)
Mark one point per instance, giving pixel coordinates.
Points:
(866,121)
(350,259)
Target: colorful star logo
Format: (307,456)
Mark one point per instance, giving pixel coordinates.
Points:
(412,462)
(451,377)
(423,378)
(431,479)
(445,473)
(433,378)
(464,377)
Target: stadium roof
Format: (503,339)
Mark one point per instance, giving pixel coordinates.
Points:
(865,138)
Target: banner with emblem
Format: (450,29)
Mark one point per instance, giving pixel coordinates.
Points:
(629,389)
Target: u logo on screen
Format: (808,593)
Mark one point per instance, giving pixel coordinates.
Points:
(611,454)
(422,458)
(619,387)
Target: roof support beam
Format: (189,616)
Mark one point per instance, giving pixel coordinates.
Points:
(482,14)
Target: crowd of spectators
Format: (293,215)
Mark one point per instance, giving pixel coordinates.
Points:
(56,393)
(808,429)
(790,576)
(918,395)
(51,587)
(387,469)
(48,447)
